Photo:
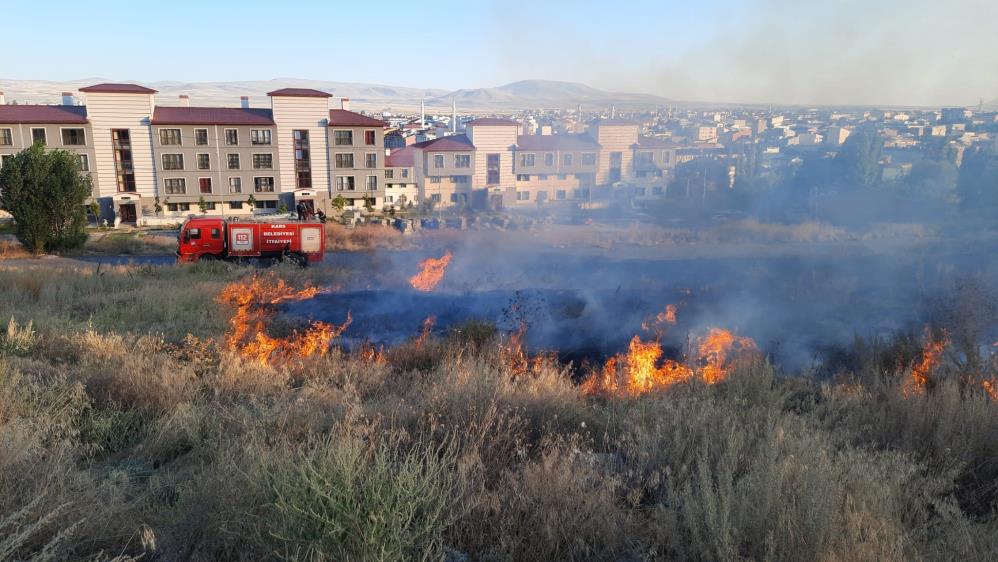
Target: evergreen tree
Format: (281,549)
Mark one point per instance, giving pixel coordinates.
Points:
(45,193)
(857,165)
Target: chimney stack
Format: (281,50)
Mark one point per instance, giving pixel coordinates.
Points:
(613,112)
(345,104)
(3,99)
(244,102)
(453,117)
(67,98)
(185,100)
(422,113)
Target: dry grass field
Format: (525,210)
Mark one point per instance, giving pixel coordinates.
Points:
(130,429)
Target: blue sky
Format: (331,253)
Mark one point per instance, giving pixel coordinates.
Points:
(847,51)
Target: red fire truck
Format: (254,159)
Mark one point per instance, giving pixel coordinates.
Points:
(208,238)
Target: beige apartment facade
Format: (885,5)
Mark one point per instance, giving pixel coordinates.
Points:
(150,161)
(357,153)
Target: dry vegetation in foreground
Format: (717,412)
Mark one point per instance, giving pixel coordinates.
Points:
(123,436)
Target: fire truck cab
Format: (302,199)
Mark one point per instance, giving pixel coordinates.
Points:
(211,238)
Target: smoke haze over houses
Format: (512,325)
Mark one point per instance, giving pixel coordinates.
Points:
(886,52)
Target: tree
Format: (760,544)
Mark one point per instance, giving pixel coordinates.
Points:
(977,183)
(46,193)
(202,205)
(282,209)
(858,163)
(157,206)
(251,202)
(339,202)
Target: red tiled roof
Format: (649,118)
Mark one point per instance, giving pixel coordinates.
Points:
(556,142)
(117,89)
(43,114)
(400,158)
(166,115)
(300,93)
(452,143)
(492,121)
(344,118)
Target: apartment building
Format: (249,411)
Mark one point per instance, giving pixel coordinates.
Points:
(150,161)
(401,189)
(358,155)
(225,160)
(59,126)
(493,164)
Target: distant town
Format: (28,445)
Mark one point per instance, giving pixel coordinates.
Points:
(154,160)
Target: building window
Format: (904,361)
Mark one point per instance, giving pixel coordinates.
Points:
(38,135)
(263,161)
(646,158)
(174,207)
(588,158)
(169,137)
(434,179)
(175,186)
(231,137)
(344,183)
(73,137)
(438,160)
(542,177)
(233,161)
(523,196)
(559,194)
(260,136)
(522,177)
(235,205)
(235,185)
(461,179)
(372,183)
(121,145)
(549,159)
(371,160)
(263,185)
(6,137)
(435,197)
(201,137)
(303,159)
(405,173)
(527,160)
(369,138)
(266,204)
(389,174)
(204,162)
(562,176)
(204,185)
(173,161)
(343,138)
(84,163)
(343,160)
(492,168)
(462,161)
(566,159)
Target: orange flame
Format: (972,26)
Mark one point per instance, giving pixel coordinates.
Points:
(253,300)
(932,350)
(638,372)
(661,321)
(512,354)
(428,323)
(432,273)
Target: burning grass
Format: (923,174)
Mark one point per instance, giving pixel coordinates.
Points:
(121,434)
(431,272)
